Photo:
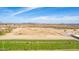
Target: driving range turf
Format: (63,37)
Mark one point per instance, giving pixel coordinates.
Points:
(21,45)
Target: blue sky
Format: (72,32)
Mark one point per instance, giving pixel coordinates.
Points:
(39,14)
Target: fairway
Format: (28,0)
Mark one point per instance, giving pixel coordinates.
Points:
(21,45)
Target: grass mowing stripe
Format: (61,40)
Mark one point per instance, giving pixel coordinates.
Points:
(38,44)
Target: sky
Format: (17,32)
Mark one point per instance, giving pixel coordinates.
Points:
(51,15)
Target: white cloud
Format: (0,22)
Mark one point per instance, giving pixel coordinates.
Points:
(25,10)
(41,18)
(55,19)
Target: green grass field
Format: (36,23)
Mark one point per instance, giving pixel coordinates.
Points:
(10,45)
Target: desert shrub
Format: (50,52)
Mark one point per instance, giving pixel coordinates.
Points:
(2,33)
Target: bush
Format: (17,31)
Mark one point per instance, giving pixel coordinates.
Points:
(2,33)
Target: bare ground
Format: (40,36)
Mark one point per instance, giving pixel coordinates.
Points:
(38,33)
